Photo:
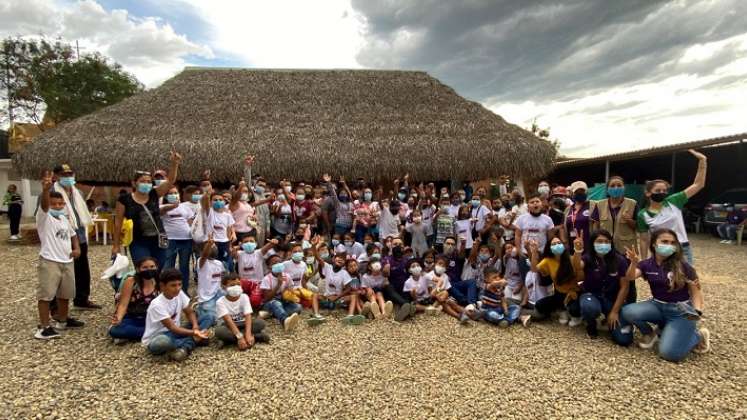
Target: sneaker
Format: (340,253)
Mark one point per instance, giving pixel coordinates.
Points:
(262,337)
(648,340)
(316,320)
(503,323)
(375,310)
(729,242)
(464,318)
(366,311)
(575,321)
(563,317)
(14,237)
(178,355)
(69,323)
(705,341)
(591,330)
(388,309)
(88,306)
(403,312)
(119,341)
(723,241)
(525,320)
(263,315)
(46,333)
(432,310)
(290,323)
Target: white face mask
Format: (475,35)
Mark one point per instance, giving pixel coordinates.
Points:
(440,269)
(415,270)
(234,291)
(376,266)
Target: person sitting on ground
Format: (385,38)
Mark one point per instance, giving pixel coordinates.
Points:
(495,307)
(556,264)
(163,331)
(273,285)
(419,288)
(250,262)
(234,312)
(337,278)
(135,294)
(440,291)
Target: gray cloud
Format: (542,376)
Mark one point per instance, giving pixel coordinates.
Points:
(505,51)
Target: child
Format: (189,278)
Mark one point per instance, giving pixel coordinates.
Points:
(351,246)
(374,283)
(355,290)
(419,288)
(59,245)
(220,224)
(495,307)
(419,232)
(296,268)
(209,274)
(163,331)
(234,313)
(273,285)
(479,259)
(336,279)
(440,292)
(445,224)
(516,291)
(251,267)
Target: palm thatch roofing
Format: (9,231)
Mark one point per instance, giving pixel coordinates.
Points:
(299,124)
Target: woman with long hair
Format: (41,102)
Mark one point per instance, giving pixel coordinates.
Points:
(133,298)
(557,265)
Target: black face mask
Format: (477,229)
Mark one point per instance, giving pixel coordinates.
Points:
(537,214)
(658,197)
(397,252)
(579,198)
(394,210)
(149,274)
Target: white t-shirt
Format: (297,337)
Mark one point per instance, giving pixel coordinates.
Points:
(434,278)
(162,308)
(295,272)
(355,250)
(464,232)
(269,282)
(454,210)
(251,266)
(534,228)
(420,286)
(481,213)
(218,224)
(335,281)
(55,236)
(370,280)
(504,214)
(176,222)
(208,279)
(237,310)
(388,224)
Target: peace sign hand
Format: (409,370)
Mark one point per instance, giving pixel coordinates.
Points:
(578,242)
(249,160)
(632,255)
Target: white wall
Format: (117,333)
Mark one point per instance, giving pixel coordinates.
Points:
(28,189)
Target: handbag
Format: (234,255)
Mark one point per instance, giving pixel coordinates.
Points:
(163,240)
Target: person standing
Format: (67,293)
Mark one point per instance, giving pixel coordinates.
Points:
(15,209)
(80,219)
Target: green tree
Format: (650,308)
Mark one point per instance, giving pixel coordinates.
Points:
(544,133)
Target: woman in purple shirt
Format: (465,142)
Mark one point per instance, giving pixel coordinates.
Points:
(677,301)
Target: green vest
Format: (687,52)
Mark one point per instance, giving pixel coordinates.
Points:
(622,234)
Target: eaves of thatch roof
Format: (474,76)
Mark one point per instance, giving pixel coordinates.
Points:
(299,124)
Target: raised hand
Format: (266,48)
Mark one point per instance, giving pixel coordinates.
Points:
(248,160)
(326,178)
(698,155)
(46,179)
(175,157)
(578,242)
(632,255)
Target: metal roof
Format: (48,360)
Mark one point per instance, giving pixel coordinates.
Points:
(653,151)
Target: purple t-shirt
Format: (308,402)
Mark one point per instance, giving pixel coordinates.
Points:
(398,273)
(455,267)
(598,281)
(579,221)
(658,279)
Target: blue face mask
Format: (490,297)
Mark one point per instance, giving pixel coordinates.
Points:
(144,187)
(249,246)
(335,242)
(217,205)
(259,190)
(67,181)
(196,197)
(324,255)
(484,257)
(602,249)
(172,198)
(56,213)
(665,250)
(401,196)
(376,256)
(557,249)
(277,268)
(367,196)
(297,257)
(158,182)
(475,203)
(616,192)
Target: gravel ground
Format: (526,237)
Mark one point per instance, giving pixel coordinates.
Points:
(423,369)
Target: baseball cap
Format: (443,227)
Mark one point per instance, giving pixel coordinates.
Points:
(559,190)
(63,169)
(578,185)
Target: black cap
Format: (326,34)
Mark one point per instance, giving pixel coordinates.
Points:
(63,169)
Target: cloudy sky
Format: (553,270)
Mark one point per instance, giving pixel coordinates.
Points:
(604,76)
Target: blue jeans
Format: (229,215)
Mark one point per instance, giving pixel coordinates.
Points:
(131,328)
(207,309)
(168,341)
(224,254)
(182,248)
(678,335)
(360,232)
(688,251)
(281,310)
(592,306)
(147,247)
(461,288)
(494,315)
(727,231)
(342,230)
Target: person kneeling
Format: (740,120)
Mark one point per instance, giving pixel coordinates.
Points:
(234,312)
(163,331)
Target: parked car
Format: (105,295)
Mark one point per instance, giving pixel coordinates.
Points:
(715,210)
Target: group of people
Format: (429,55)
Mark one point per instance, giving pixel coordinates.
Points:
(259,250)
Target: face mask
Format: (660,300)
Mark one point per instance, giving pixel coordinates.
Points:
(444,208)
(259,190)
(249,246)
(440,269)
(401,196)
(415,270)
(367,196)
(543,189)
(204,188)
(172,198)
(616,192)
(376,256)
(233,291)
(56,213)
(244,197)
(324,255)
(417,219)
(557,249)
(348,243)
(602,249)
(300,197)
(149,274)
(658,197)
(281,197)
(344,198)
(730,209)
(484,257)
(309,260)
(579,197)
(144,187)
(67,181)
(335,242)
(513,252)
(287,188)
(196,198)
(506,205)
(376,266)
(158,182)
(397,251)
(217,205)
(297,257)
(665,250)
(277,268)
(475,203)
(536,213)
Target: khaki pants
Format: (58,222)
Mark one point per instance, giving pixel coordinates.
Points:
(55,280)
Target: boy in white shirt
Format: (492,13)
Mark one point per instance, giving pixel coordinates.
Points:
(336,292)
(209,274)
(59,245)
(234,312)
(296,269)
(163,331)
(272,286)
(251,262)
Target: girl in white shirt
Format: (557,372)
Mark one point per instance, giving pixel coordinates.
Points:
(220,225)
(209,275)
(374,283)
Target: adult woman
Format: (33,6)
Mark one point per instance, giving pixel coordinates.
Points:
(141,206)
(665,211)
(577,217)
(15,208)
(366,213)
(133,298)
(242,211)
(343,206)
(676,303)
(616,214)
(176,218)
(605,284)
(556,264)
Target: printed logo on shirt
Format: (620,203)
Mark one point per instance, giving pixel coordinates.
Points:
(62,234)
(218,227)
(217,275)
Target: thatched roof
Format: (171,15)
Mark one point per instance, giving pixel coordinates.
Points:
(299,124)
